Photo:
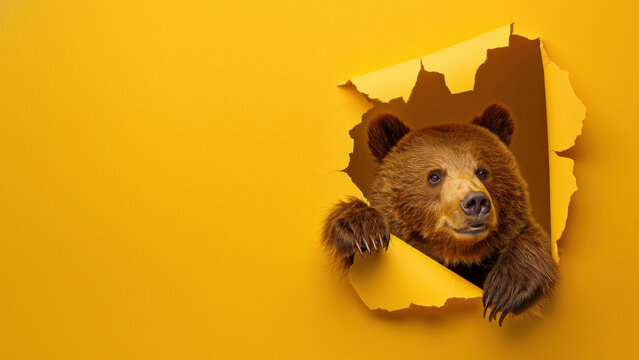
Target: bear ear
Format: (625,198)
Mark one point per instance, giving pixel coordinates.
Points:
(383,133)
(497,119)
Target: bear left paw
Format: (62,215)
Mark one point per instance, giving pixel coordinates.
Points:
(506,291)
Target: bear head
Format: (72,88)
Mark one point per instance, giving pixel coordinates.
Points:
(453,191)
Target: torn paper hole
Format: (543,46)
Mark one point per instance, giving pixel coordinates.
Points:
(454,85)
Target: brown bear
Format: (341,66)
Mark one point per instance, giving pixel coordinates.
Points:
(455,193)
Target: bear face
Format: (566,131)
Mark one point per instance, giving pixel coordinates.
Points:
(453,191)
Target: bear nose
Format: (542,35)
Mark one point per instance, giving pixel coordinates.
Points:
(475,204)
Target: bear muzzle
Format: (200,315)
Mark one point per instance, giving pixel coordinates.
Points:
(475,203)
(469,213)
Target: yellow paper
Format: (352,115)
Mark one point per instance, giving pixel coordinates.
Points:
(405,276)
(402,276)
(458,62)
(564,113)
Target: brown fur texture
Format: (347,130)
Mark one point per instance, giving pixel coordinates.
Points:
(497,119)
(354,225)
(422,177)
(383,133)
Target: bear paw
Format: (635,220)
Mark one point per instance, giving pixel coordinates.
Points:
(507,291)
(353,227)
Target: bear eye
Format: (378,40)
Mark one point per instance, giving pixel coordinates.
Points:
(482,173)
(434,177)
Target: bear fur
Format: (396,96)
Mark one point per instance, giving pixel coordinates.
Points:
(455,193)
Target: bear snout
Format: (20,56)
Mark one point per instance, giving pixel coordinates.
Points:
(475,203)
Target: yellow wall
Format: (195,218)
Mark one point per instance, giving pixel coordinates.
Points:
(165,166)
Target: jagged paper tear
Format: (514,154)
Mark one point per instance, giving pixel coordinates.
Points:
(406,276)
(403,276)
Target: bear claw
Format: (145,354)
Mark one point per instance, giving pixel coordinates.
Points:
(377,242)
(360,249)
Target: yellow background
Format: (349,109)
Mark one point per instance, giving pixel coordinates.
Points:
(165,166)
